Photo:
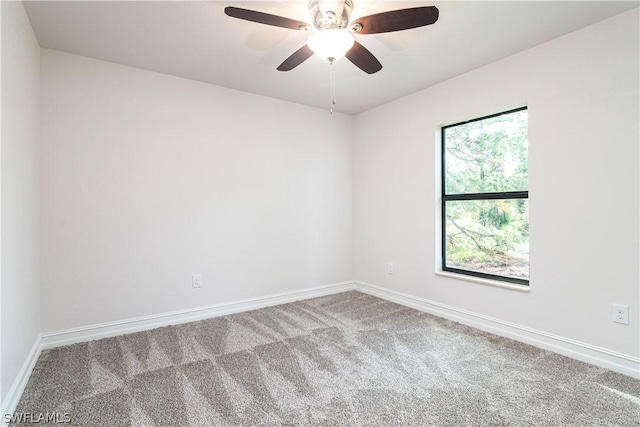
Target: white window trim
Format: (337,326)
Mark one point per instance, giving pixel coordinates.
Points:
(483,281)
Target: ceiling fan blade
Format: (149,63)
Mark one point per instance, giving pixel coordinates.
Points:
(265,18)
(397,20)
(363,59)
(297,58)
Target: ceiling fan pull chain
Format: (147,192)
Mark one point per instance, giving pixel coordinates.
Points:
(332,88)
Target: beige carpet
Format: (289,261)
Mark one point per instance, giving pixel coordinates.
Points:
(346,359)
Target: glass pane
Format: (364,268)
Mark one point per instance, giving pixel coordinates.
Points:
(488,155)
(488,236)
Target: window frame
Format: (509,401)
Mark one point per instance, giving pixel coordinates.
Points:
(506,195)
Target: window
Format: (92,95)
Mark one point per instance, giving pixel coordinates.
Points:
(485,197)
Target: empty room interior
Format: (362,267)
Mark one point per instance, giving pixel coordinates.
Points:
(323,213)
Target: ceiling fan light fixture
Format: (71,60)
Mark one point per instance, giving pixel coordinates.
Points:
(331,44)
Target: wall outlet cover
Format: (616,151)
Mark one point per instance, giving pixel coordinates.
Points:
(196,280)
(620,314)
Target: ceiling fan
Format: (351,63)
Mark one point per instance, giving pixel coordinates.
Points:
(332,31)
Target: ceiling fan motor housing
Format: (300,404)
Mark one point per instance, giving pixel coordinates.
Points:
(330,14)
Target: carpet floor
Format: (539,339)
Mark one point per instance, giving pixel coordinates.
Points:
(342,360)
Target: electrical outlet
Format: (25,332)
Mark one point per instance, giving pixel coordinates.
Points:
(390,268)
(621,313)
(196,280)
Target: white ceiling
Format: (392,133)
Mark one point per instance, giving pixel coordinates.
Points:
(196,40)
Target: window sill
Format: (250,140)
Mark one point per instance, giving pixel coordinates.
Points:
(488,282)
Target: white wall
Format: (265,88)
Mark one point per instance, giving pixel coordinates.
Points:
(147,179)
(20,289)
(582,93)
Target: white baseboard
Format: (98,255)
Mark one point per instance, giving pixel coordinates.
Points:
(15,392)
(618,362)
(127,326)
